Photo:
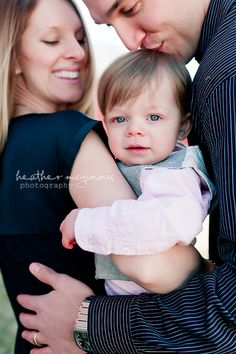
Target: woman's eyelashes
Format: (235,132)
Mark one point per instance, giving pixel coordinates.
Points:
(50,42)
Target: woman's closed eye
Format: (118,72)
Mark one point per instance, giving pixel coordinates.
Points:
(50,42)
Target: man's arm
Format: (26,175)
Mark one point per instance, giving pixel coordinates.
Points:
(189,321)
(200,318)
(196,319)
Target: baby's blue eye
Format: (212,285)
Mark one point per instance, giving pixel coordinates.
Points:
(153,117)
(119,119)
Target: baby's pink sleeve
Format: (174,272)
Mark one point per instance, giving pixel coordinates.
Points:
(170,210)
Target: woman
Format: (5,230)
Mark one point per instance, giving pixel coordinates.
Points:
(46,70)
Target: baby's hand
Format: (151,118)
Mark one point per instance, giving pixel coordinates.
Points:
(67,229)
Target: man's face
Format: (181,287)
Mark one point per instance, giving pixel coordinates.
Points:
(170,26)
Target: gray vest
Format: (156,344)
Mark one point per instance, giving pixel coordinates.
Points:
(181,157)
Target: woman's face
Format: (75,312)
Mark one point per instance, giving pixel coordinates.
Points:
(53,56)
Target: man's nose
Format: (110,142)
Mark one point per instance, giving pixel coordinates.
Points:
(131,36)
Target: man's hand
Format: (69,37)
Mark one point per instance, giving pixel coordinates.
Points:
(67,229)
(55,312)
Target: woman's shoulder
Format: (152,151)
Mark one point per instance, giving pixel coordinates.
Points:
(72,123)
(66,116)
(72,115)
(62,123)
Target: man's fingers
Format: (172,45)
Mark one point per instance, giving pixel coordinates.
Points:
(57,281)
(45,274)
(45,350)
(28,321)
(30,302)
(30,335)
(49,276)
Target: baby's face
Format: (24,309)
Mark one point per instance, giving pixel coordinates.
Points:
(145,129)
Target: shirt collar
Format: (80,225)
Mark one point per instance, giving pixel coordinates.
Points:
(217,11)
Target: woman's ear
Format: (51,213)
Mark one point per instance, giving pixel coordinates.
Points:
(185,127)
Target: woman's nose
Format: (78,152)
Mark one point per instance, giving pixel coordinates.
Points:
(74,50)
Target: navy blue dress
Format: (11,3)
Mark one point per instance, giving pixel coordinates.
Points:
(34,199)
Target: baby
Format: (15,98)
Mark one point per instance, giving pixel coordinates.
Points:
(145,99)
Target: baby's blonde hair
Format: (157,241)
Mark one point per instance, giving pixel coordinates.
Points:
(14,15)
(127,75)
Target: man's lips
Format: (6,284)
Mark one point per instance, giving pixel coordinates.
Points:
(158,48)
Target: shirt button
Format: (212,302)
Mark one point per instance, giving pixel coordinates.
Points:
(125,248)
(91,241)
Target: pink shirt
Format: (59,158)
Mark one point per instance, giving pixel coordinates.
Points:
(170,210)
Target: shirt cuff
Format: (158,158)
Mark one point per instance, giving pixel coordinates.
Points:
(109,325)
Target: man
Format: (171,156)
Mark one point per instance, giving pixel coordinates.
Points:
(201,318)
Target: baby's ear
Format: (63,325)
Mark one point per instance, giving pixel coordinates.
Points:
(185,127)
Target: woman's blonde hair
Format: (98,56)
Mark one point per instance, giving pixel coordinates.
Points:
(127,75)
(14,15)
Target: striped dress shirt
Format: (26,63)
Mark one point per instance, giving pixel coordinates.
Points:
(201,318)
